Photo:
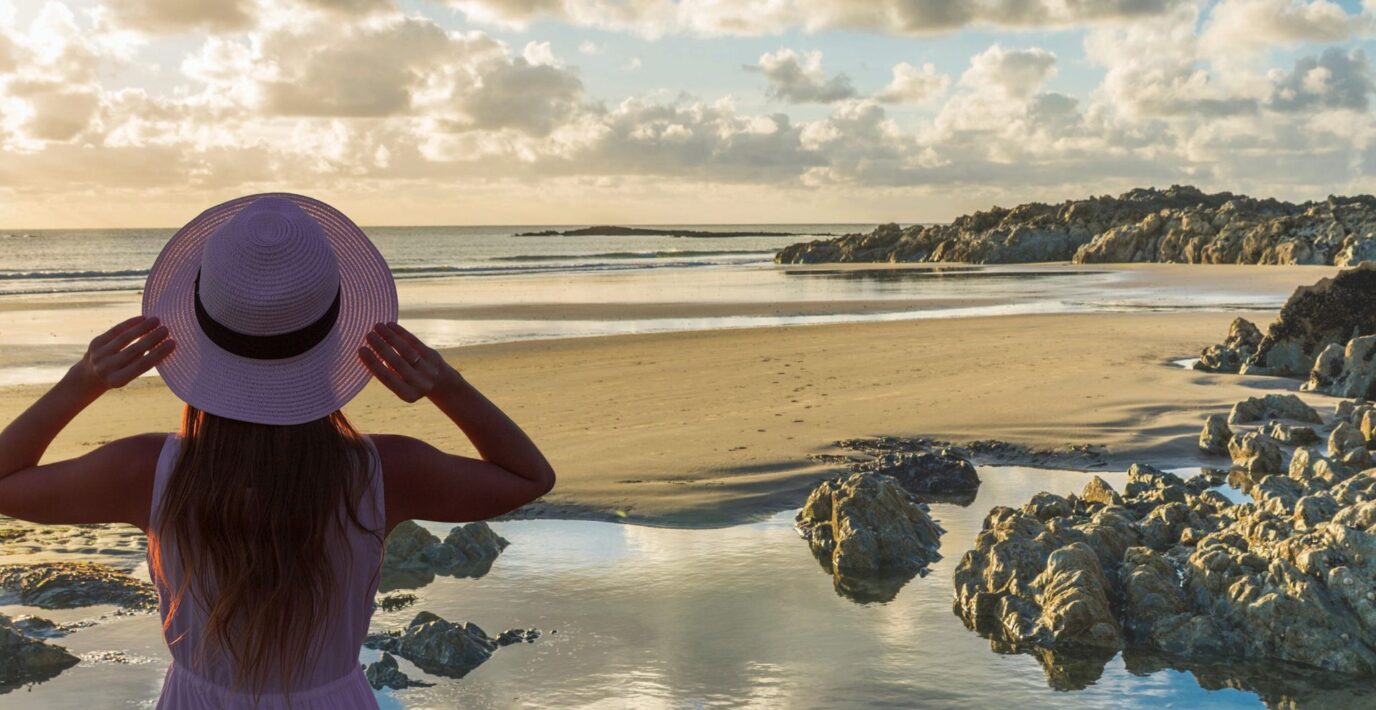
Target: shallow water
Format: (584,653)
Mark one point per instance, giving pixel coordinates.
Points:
(742,616)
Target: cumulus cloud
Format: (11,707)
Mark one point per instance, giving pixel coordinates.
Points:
(798,78)
(913,85)
(1246,25)
(1016,73)
(1334,79)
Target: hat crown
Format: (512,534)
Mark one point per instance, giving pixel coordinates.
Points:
(269,269)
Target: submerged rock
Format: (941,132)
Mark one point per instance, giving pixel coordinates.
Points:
(384,673)
(437,646)
(65,585)
(870,533)
(1182,571)
(28,660)
(414,556)
(1228,356)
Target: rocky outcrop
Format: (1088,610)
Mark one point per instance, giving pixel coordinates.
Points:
(1236,349)
(1273,406)
(1346,371)
(65,585)
(1256,454)
(929,474)
(414,556)
(869,533)
(1331,312)
(1175,225)
(384,673)
(438,646)
(28,660)
(1179,569)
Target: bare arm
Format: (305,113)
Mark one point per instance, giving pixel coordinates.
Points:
(424,482)
(109,484)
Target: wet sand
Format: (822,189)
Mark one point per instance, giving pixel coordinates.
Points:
(715,427)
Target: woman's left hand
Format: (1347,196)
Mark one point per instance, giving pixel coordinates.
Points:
(122,353)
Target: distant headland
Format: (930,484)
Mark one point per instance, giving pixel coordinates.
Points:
(614,231)
(1180,224)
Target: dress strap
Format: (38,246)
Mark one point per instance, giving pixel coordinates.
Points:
(167,458)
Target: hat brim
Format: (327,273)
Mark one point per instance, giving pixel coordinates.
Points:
(291,390)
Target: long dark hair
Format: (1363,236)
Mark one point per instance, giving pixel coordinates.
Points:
(249,512)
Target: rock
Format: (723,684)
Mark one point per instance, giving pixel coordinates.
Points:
(1216,434)
(1346,371)
(414,556)
(870,533)
(928,474)
(1345,437)
(1257,454)
(28,660)
(1273,406)
(437,646)
(384,673)
(396,602)
(1310,467)
(510,636)
(1292,434)
(66,585)
(1332,311)
(1290,577)
(1237,348)
(1099,491)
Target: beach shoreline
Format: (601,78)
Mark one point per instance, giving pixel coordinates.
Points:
(716,427)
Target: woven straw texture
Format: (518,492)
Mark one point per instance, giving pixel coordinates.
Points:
(290,390)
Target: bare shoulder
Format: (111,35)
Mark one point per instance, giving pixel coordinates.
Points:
(399,449)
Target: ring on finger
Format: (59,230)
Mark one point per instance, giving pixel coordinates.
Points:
(414,360)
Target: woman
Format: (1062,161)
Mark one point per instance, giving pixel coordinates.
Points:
(266,512)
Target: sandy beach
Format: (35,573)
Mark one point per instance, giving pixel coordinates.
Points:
(712,427)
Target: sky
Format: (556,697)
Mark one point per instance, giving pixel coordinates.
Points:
(142,113)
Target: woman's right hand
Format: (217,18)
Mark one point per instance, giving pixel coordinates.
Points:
(408,367)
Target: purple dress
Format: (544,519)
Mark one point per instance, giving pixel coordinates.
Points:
(334,680)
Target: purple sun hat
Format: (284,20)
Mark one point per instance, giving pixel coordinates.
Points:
(269,298)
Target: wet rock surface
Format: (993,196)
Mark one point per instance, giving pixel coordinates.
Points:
(1178,569)
(446,649)
(1333,311)
(414,556)
(25,657)
(384,673)
(65,585)
(870,533)
(1180,224)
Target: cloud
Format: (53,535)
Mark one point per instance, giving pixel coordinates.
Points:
(725,17)
(164,16)
(1246,25)
(798,78)
(1016,73)
(913,85)
(1334,79)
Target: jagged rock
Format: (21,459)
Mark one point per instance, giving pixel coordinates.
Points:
(870,533)
(1291,577)
(1228,356)
(1344,437)
(414,556)
(927,473)
(1273,406)
(510,636)
(1151,485)
(1309,466)
(28,660)
(384,673)
(65,585)
(437,646)
(1292,434)
(1332,311)
(1348,371)
(1099,491)
(1257,454)
(1216,434)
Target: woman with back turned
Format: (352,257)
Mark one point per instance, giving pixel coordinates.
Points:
(266,512)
